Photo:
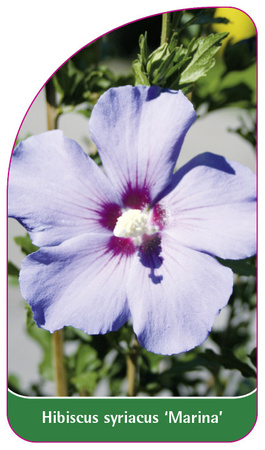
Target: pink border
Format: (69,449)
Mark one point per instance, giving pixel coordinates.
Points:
(120,442)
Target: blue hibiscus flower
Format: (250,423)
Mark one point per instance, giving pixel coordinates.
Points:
(134,241)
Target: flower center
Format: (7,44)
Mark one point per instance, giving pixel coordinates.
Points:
(133,223)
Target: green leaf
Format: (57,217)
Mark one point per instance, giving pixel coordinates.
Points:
(221,89)
(68,83)
(86,358)
(176,67)
(240,55)
(155,59)
(241,267)
(25,244)
(139,65)
(229,361)
(78,83)
(140,75)
(71,334)
(84,366)
(85,383)
(13,274)
(174,72)
(13,271)
(253,356)
(44,339)
(143,48)
(161,72)
(208,19)
(245,77)
(203,50)
(246,132)
(173,43)
(152,360)
(14,383)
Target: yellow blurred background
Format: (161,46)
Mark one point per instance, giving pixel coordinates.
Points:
(240,25)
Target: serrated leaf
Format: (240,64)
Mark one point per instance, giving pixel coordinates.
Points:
(202,61)
(176,68)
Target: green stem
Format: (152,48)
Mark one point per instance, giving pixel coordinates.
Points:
(176,20)
(166,28)
(60,375)
(51,106)
(57,337)
(132,366)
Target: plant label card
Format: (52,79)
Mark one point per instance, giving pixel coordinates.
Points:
(132,238)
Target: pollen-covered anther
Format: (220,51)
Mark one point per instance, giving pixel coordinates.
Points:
(133,223)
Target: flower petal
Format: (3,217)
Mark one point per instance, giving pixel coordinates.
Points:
(177,297)
(141,136)
(212,207)
(56,191)
(80,283)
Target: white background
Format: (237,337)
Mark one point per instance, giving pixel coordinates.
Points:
(36,38)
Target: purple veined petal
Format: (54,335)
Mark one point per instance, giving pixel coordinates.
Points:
(79,283)
(139,132)
(212,207)
(177,297)
(56,191)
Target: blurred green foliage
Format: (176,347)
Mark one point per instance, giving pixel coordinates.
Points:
(226,364)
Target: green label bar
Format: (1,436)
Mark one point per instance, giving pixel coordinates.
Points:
(220,419)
